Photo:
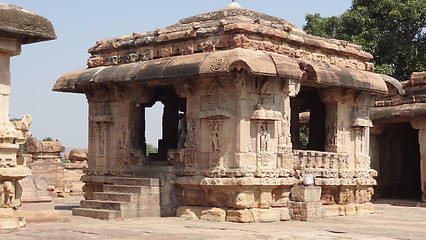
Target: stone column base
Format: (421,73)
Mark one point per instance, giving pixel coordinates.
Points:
(305,204)
(9,219)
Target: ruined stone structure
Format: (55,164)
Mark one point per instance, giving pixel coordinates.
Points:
(242,78)
(45,150)
(398,141)
(63,178)
(17,27)
(76,155)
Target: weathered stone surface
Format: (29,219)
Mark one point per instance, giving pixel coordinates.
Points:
(26,26)
(190,212)
(214,215)
(37,205)
(266,215)
(302,193)
(46,147)
(399,140)
(62,177)
(217,199)
(17,26)
(124,198)
(242,200)
(240,216)
(192,197)
(280,197)
(306,211)
(77,155)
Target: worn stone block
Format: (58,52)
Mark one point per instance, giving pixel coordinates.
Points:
(284,214)
(217,199)
(214,215)
(301,193)
(242,200)
(192,197)
(265,199)
(240,216)
(306,211)
(266,215)
(280,197)
(189,212)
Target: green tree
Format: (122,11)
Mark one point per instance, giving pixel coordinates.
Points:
(47,139)
(150,149)
(24,147)
(393,31)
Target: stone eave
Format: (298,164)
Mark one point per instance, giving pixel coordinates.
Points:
(28,27)
(398,111)
(223,62)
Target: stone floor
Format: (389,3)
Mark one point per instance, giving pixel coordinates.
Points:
(389,222)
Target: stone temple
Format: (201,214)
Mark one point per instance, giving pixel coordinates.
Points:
(244,80)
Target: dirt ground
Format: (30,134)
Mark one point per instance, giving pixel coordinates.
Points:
(389,222)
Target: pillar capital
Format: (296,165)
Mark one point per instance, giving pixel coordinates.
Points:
(419,123)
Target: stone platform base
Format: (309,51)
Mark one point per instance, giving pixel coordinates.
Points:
(349,209)
(39,212)
(234,215)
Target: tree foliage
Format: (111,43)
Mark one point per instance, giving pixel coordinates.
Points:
(47,139)
(150,149)
(394,31)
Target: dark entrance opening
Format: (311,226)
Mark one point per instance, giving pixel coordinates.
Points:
(172,104)
(399,163)
(308,120)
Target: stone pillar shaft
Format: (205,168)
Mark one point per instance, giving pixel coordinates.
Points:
(421,125)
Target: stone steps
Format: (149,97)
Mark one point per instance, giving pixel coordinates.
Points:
(96,213)
(137,182)
(125,198)
(125,189)
(106,205)
(112,196)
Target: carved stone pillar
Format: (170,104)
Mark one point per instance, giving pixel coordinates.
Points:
(12,166)
(18,27)
(420,124)
(295,124)
(336,112)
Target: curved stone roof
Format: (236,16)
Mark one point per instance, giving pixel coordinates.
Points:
(26,26)
(219,41)
(221,63)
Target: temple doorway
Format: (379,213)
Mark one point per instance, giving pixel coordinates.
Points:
(396,157)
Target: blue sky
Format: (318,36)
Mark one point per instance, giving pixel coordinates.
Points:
(80,23)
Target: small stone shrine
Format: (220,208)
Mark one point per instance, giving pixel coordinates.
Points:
(242,79)
(45,150)
(398,141)
(17,27)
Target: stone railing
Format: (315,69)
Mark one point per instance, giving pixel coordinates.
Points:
(331,168)
(316,159)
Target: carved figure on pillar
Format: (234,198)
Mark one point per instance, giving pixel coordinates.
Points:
(192,132)
(264,137)
(216,137)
